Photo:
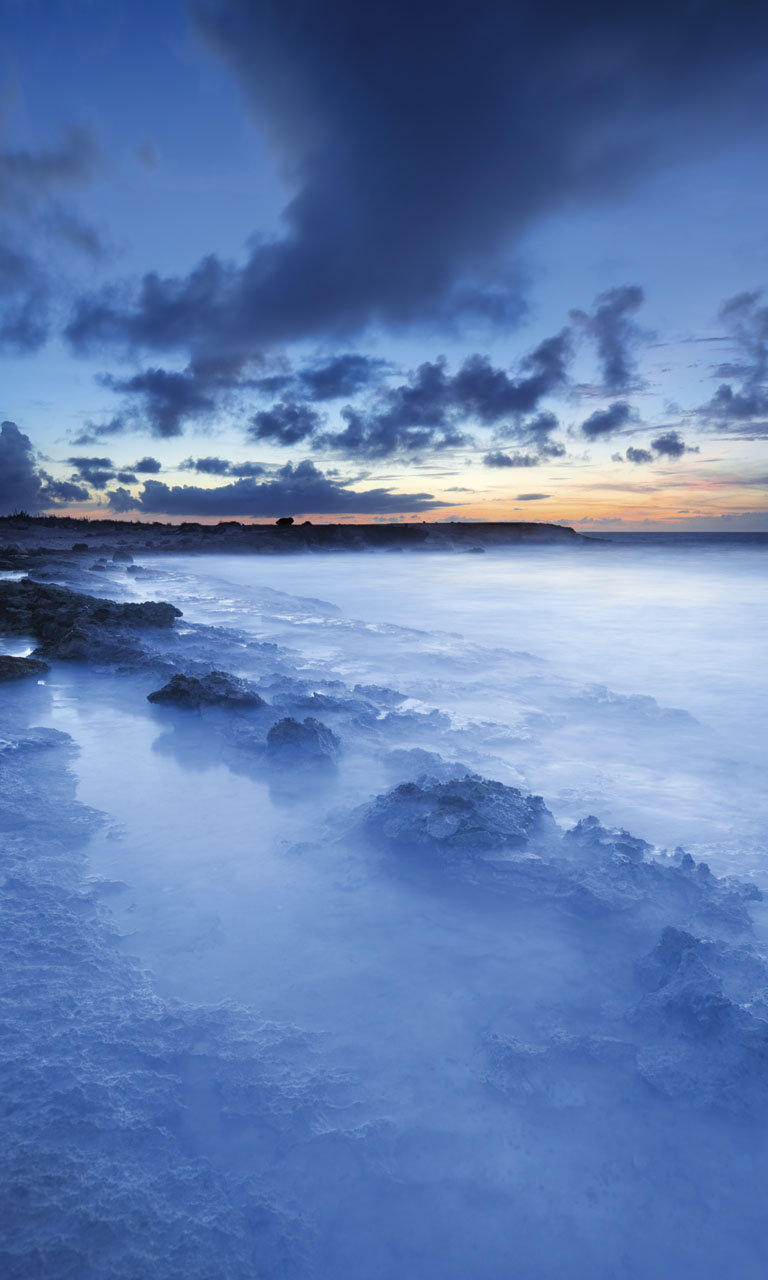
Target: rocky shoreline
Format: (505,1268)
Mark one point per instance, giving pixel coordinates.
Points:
(40,535)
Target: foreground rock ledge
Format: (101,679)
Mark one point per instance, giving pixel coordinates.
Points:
(68,624)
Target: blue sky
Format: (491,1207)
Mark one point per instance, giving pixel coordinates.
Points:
(364,182)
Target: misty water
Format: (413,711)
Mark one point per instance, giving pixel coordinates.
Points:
(345,1031)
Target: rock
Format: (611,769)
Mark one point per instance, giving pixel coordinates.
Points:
(17,668)
(68,624)
(596,841)
(217,689)
(122,557)
(80,546)
(465,818)
(310,742)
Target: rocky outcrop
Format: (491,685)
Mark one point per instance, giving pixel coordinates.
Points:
(68,624)
(18,668)
(459,819)
(508,841)
(591,841)
(293,742)
(217,689)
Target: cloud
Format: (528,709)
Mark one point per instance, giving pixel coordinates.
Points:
(25,298)
(28,176)
(93,432)
(20,484)
(743,410)
(23,485)
(604,422)
(147,465)
(299,489)
(32,218)
(343,375)
(469,125)
(222,467)
(206,466)
(168,398)
(127,477)
(56,492)
(669,445)
(498,459)
(285,423)
(94,471)
(615,334)
(429,409)
(122,500)
(531,497)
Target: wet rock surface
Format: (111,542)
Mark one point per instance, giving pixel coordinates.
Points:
(480,828)
(463,818)
(68,624)
(12,668)
(217,689)
(308,742)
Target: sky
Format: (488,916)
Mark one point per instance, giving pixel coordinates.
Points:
(385,261)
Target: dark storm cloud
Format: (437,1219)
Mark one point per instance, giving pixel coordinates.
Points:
(615,334)
(285,423)
(744,409)
(498,459)
(147,466)
(604,422)
(294,490)
(126,477)
(422,141)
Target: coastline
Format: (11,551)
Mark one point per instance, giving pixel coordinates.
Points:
(65,533)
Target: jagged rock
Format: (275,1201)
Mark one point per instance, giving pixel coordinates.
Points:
(591,838)
(294,742)
(217,689)
(469,817)
(17,668)
(68,624)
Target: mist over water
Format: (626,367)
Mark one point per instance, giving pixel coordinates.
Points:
(548,645)
(385,1064)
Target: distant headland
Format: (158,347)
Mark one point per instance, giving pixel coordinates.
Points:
(284,536)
